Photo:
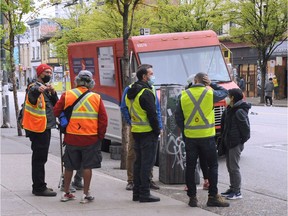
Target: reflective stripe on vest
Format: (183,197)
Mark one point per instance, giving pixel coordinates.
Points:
(84,118)
(34,116)
(139,119)
(198,110)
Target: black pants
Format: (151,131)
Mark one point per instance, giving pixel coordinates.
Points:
(268,98)
(145,149)
(206,147)
(40,143)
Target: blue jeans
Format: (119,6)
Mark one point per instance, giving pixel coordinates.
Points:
(207,147)
(145,149)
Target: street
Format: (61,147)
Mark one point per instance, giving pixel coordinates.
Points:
(263,165)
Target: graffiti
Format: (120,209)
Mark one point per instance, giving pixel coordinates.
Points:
(176,146)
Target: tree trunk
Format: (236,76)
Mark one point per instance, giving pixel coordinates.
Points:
(125,78)
(13,79)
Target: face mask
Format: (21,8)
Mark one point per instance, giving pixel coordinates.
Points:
(151,80)
(228,101)
(46,79)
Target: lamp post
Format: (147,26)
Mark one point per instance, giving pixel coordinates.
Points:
(5,96)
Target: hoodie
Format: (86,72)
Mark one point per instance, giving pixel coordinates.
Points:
(235,124)
(147,102)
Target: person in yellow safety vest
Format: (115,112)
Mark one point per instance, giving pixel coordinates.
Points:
(38,119)
(276,87)
(140,100)
(84,133)
(195,116)
(130,152)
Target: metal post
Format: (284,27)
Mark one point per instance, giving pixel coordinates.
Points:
(5,96)
(64,77)
(19,63)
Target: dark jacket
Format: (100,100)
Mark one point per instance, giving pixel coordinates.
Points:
(147,102)
(235,124)
(50,100)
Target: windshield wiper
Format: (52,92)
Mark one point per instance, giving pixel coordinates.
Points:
(220,81)
(168,84)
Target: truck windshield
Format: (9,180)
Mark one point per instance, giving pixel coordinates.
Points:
(175,66)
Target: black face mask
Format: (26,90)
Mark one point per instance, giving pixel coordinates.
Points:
(46,79)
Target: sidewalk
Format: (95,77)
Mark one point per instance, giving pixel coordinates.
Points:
(255,101)
(111,198)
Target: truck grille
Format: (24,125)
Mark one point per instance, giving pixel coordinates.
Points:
(218,110)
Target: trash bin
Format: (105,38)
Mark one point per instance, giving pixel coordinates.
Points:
(172,155)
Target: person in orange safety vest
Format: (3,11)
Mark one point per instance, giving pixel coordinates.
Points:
(84,133)
(38,119)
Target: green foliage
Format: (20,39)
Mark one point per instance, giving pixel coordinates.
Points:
(97,23)
(260,22)
(190,16)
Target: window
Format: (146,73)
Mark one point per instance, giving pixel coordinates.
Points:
(33,53)
(175,66)
(32,34)
(106,66)
(38,52)
(37,33)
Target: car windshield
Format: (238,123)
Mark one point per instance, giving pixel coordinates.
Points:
(175,66)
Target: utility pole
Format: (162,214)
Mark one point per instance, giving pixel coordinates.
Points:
(5,96)
(19,64)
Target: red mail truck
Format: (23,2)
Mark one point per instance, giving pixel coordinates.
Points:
(174,56)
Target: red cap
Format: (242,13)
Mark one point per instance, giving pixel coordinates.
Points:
(41,68)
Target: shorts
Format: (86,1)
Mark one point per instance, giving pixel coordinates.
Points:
(87,156)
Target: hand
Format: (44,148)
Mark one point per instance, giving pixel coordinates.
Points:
(206,81)
(42,88)
(50,88)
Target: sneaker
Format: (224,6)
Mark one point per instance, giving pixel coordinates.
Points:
(217,201)
(71,188)
(234,196)
(86,198)
(67,196)
(129,186)
(78,185)
(193,202)
(206,185)
(227,193)
(154,186)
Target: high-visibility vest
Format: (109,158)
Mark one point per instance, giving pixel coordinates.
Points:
(139,119)
(84,118)
(198,110)
(34,116)
(275,82)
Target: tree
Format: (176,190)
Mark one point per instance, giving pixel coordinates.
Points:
(126,9)
(13,12)
(261,23)
(193,15)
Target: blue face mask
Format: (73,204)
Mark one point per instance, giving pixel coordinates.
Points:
(151,80)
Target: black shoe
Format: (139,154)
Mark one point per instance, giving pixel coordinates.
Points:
(193,202)
(46,192)
(135,198)
(154,186)
(150,198)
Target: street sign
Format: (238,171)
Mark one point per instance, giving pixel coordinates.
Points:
(144,31)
